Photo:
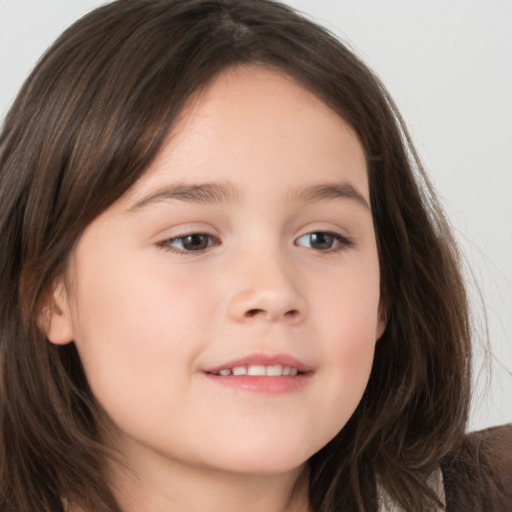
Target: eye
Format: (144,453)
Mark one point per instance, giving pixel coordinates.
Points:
(323,241)
(193,242)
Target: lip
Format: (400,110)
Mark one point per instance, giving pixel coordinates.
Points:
(265,360)
(263,384)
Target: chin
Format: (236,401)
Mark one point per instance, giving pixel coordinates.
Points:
(265,458)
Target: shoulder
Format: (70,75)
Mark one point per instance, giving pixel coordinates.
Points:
(478,475)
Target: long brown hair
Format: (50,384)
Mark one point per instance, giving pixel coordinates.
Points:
(87,123)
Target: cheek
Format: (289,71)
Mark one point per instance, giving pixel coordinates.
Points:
(350,347)
(349,306)
(136,300)
(348,317)
(134,330)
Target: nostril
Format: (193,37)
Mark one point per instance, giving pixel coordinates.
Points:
(253,312)
(290,314)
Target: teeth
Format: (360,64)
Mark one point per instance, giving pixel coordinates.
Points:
(257,370)
(274,371)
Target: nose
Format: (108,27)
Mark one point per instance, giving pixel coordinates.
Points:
(267,291)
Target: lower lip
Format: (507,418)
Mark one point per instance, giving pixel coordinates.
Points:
(263,384)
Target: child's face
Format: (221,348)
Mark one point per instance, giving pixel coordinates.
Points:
(248,241)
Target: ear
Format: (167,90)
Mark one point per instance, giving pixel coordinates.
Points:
(54,317)
(382,321)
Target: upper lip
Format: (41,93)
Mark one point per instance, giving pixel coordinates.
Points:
(284,360)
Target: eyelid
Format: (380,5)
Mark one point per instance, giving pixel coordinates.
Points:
(340,243)
(166,243)
(343,240)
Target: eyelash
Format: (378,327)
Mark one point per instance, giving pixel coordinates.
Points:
(340,241)
(166,244)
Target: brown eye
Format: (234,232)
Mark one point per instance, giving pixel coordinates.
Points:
(322,241)
(195,242)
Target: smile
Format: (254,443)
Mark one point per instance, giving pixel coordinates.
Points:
(257,370)
(262,373)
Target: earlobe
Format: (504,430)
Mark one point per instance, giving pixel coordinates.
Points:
(54,318)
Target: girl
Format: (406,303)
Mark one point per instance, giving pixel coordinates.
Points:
(226,282)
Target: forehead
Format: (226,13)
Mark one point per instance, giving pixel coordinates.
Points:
(253,123)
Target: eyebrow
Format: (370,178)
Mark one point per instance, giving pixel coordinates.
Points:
(326,191)
(206,193)
(211,193)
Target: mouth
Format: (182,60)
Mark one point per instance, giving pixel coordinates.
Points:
(258,370)
(263,374)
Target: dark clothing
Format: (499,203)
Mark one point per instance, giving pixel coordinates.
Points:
(478,476)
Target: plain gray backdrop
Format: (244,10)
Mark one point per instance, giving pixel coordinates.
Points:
(448,65)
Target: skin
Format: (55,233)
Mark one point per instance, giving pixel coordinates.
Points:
(149,315)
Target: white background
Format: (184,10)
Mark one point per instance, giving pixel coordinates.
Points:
(448,65)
